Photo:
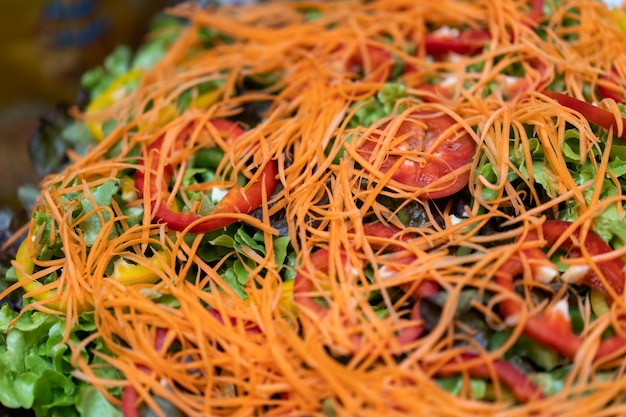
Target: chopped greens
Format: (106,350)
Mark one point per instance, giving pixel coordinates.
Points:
(215,235)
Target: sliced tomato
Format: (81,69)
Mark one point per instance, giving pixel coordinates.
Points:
(593,114)
(440,167)
(237,200)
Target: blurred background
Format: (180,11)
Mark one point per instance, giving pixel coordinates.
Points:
(45,47)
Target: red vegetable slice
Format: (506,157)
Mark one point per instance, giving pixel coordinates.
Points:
(536,11)
(374,62)
(613,269)
(606,91)
(467,42)
(552,328)
(590,112)
(130,397)
(522,388)
(237,200)
(303,286)
(129,402)
(441,167)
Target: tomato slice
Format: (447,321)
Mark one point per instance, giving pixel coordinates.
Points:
(593,114)
(237,200)
(440,167)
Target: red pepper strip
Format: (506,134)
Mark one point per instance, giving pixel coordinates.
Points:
(610,346)
(408,335)
(613,270)
(468,42)
(385,231)
(593,114)
(549,329)
(536,11)
(250,326)
(521,85)
(237,200)
(438,93)
(552,328)
(129,402)
(303,286)
(522,388)
(129,393)
(606,91)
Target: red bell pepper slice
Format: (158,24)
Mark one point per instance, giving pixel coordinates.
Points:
(612,270)
(523,389)
(606,91)
(536,10)
(237,200)
(467,42)
(470,41)
(593,114)
(551,328)
(251,327)
(375,63)
(129,393)
(303,285)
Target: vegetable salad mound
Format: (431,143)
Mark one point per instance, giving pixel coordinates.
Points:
(363,208)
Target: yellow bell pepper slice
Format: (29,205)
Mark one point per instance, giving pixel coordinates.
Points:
(127,273)
(121,86)
(24,259)
(131,274)
(114,92)
(599,303)
(619,17)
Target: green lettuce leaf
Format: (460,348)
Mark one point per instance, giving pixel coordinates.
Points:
(35,366)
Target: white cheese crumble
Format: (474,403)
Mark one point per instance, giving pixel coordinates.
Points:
(546,273)
(562,308)
(447,31)
(575,274)
(218,193)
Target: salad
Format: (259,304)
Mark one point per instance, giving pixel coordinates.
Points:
(332,208)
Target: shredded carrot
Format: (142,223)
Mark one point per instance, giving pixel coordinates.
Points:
(259,355)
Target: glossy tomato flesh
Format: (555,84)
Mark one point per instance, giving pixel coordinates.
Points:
(438,165)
